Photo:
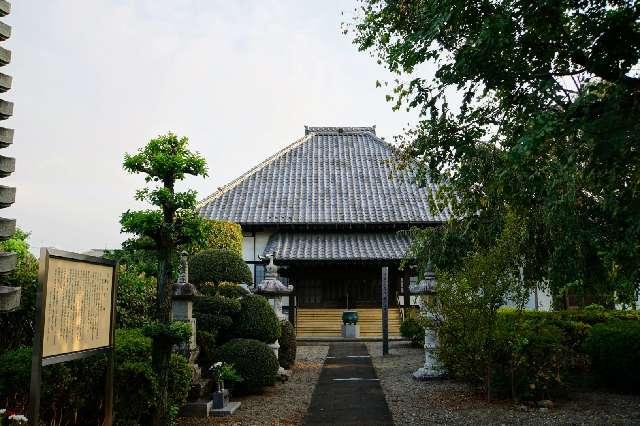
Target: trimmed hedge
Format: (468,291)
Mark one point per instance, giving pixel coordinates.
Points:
(253,360)
(538,355)
(614,349)
(256,320)
(288,346)
(232,290)
(216,266)
(215,314)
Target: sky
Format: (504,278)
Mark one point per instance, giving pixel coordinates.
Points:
(95,79)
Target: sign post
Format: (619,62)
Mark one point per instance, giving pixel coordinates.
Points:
(385,310)
(75,317)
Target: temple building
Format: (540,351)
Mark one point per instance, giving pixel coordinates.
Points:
(333,211)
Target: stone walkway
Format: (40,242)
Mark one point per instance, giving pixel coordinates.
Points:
(348,391)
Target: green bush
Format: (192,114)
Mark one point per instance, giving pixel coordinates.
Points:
(224,236)
(136,384)
(218,266)
(16,328)
(253,360)
(226,289)
(135,299)
(232,290)
(73,392)
(256,320)
(411,328)
(65,392)
(207,344)
(288,347)
(614,349)
(530,359)
(215,314)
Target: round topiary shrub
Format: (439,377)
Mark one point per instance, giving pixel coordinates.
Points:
(231,290)
(217,266)
(253,360)
(256,320)
(288,347)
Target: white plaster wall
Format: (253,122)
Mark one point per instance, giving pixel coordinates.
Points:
(248,247)
(253,246)
(262,238)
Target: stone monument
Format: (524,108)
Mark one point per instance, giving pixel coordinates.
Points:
(425,289)
(9,296)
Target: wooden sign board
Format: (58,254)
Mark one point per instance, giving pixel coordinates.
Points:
(77,309)
(76,315)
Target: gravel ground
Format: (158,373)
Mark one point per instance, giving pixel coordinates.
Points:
(447,402)
(282,404)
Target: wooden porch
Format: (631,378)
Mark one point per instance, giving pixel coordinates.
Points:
(327,322)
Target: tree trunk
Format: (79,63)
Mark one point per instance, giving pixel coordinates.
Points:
(160,350)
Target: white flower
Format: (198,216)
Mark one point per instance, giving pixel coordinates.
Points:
(218,364)
(2,411)
(18,418)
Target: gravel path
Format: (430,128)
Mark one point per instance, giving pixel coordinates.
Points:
(282,404)
(447,402)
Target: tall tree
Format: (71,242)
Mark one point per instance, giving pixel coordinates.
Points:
(529,107)
(174,222)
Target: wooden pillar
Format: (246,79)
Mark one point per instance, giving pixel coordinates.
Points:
(406,279)
(385,310)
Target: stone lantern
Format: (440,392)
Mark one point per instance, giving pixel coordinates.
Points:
(426,290)
(273,289)
(182,303)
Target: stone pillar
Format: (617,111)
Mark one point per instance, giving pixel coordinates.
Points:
(182,306)
(432,368)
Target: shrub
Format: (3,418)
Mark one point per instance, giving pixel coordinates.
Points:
(232,290)
(614,349)
(530,359)
(226,289)
(16,328)
(207,344)
(215,314)
(60,395)
(288,347)
(135,299)
(256,320)
(224,236)
(253,360)
(217,266)
(411,328)
(136,384)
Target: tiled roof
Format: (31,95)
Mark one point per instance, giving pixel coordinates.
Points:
(338,246)
(333,175)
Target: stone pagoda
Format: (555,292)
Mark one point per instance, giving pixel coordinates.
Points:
(9,296)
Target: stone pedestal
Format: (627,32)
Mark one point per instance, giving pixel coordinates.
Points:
(220,399)
(351,331)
